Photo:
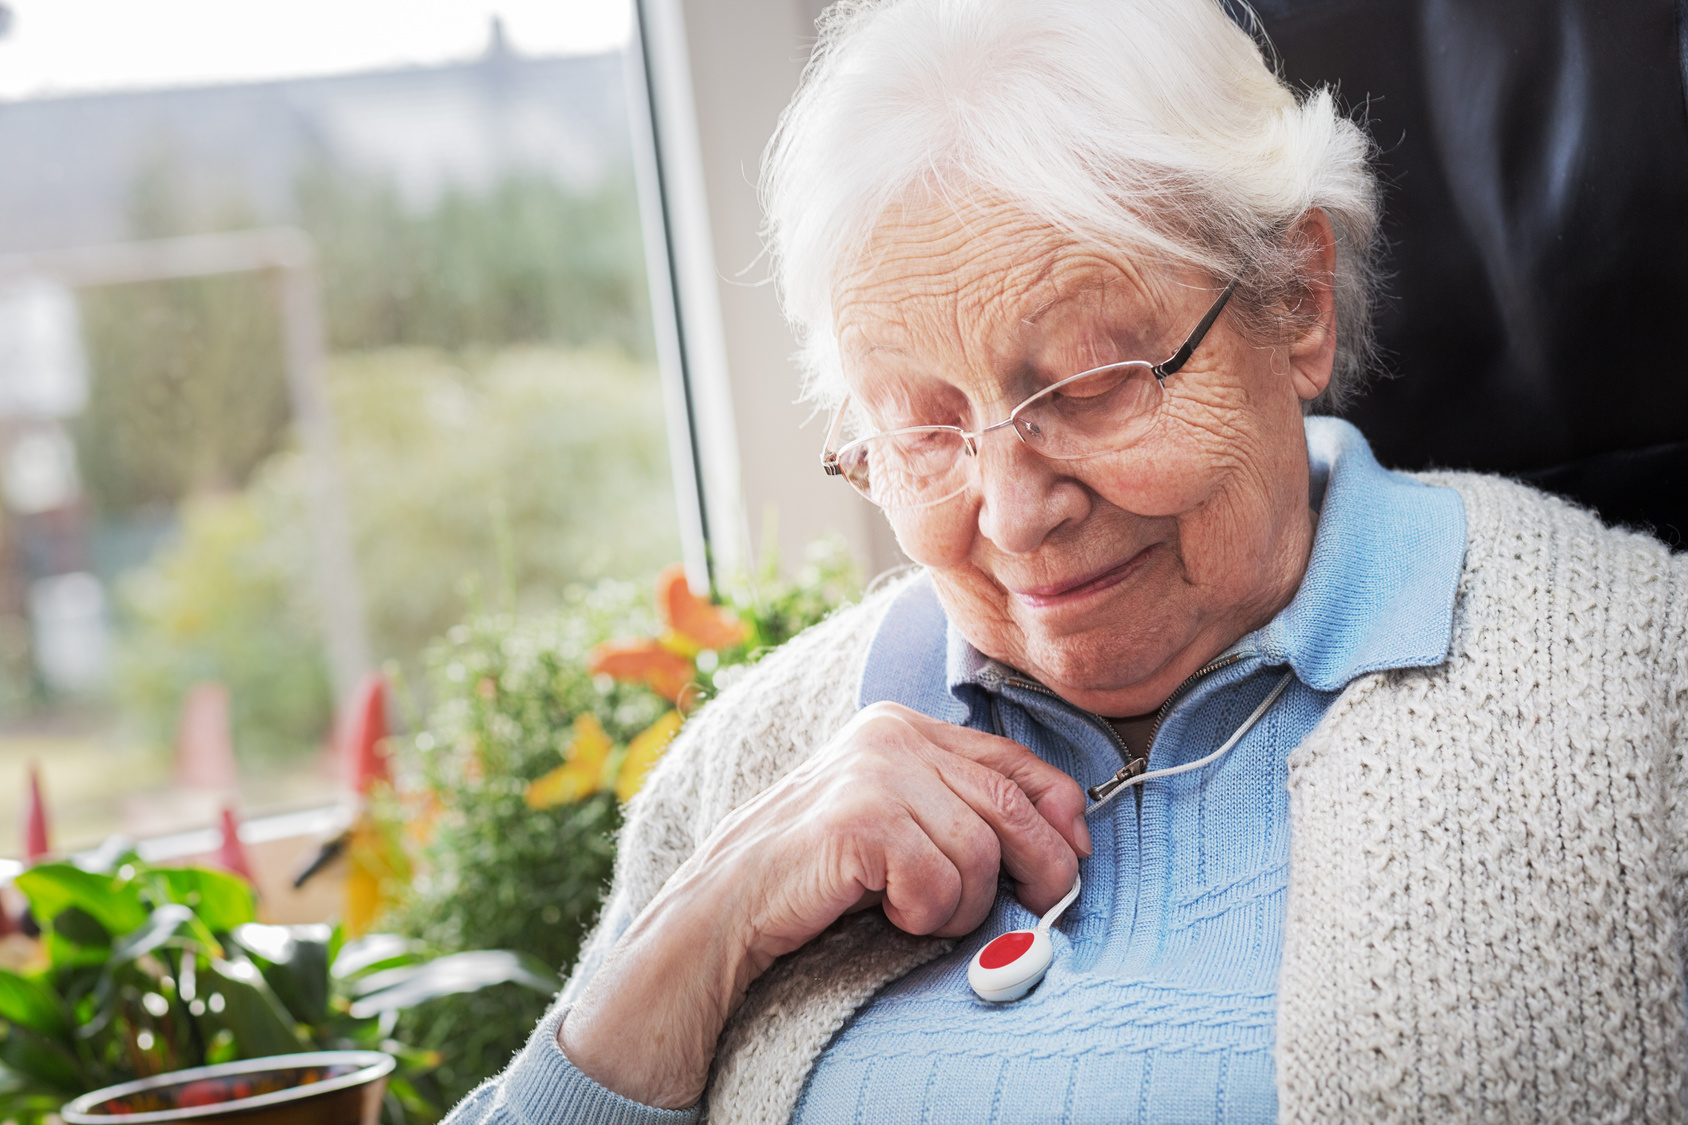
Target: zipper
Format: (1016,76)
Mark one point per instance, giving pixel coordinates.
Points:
(1135,766)
(1096,721)
(1189,682)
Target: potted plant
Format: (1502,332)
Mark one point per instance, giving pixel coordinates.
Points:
(145,970)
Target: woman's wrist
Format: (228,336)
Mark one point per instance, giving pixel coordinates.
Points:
(647,1024)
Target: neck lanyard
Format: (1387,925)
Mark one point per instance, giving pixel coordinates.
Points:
(1011,964)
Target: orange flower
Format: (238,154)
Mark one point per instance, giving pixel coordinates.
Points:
(644,661)
(694,617)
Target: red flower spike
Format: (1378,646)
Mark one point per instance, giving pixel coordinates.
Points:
(204,743)
(362,734)
(35,842)
(232,855)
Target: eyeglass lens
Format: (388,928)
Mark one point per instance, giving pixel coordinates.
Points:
(1098,412)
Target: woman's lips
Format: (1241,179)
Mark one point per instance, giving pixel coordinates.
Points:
(1077,589)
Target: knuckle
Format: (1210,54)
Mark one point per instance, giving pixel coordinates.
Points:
(850,816)
(881,733)
(1007,799)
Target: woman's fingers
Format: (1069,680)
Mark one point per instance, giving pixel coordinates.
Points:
(925,892)
(968,840)
(1056,796)
(1039,859)
(979,814)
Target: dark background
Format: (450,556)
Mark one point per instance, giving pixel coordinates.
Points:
(1535,162)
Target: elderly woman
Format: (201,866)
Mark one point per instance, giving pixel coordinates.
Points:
(1073,273)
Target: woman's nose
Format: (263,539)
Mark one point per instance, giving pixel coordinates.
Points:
(1023,496)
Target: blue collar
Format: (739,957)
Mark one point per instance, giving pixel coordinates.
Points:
(1378,592)
(1380,585)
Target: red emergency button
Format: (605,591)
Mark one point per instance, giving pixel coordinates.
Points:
(1005,950)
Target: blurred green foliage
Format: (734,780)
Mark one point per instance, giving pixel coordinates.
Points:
(187,378)
(499,422)
(530,468)
(507,689)
(189,393)
(518,471)
(230,600)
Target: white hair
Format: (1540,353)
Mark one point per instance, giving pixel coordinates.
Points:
(1153,126)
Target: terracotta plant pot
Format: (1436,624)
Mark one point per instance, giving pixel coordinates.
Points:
(319,1088)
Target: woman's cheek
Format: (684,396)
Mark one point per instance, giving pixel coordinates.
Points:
(1168,482)
(939,537)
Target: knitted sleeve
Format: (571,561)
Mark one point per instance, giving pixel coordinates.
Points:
(1674,665)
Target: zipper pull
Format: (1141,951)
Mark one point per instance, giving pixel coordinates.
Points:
(1128,771)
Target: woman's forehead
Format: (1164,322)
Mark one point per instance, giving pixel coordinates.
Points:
(984,278)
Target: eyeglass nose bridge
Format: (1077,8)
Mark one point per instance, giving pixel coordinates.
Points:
(970,440)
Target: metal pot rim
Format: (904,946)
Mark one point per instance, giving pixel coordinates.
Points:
(371,1065)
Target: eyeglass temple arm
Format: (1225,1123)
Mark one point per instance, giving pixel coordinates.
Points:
(829,459)
(1182,355)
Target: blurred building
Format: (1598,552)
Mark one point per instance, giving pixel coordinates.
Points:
(72,163)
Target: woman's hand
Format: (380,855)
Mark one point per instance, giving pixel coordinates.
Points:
(898,809)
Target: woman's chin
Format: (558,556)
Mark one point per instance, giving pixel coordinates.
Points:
(1104,648)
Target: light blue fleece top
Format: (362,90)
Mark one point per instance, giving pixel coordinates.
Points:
(1160,1003)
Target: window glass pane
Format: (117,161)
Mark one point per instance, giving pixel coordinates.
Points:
(172,616)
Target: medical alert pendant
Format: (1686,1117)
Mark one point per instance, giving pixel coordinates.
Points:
(1011,965)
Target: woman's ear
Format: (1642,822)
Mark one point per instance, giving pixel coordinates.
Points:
(1312,351)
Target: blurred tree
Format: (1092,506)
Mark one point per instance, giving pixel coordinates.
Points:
(528,261)
(188,385)
(230,601)
(188,388)
(526,469)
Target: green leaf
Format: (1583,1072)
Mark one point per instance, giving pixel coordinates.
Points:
(460,972)
(43,1062)
(29,1108)
(374,952)
(31,1004)
(165,923)
(53,888)
(294,961)
(77,925)
(66,955)
(411,1099)
(222,901)
(222,1048)
(336,942)
(260,1023)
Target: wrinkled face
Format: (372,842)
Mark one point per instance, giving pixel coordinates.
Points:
(1109,579)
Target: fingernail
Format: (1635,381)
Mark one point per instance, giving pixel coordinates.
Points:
(1081,833)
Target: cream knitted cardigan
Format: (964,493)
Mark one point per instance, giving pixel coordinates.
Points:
(1487,878)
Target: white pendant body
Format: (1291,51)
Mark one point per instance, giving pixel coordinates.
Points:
(1004,982)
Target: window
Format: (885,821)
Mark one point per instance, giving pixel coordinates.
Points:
(320,323)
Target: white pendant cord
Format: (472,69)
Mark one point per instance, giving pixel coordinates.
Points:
(1059,908)
(1248,724)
